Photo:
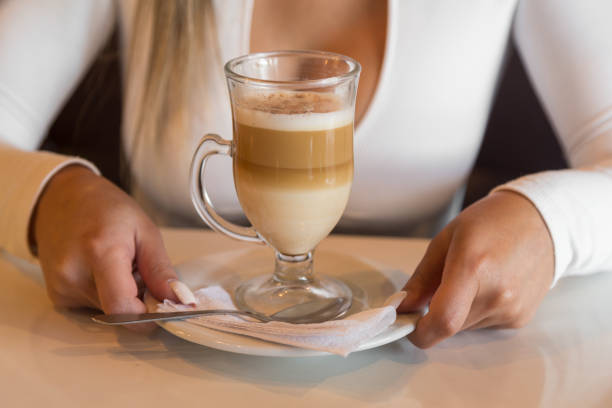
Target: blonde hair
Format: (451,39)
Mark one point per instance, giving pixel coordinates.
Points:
(164,58)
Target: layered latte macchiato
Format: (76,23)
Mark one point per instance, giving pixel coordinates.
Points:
(293,165)
(292,153)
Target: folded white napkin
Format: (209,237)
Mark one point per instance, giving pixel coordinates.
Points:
(336,336)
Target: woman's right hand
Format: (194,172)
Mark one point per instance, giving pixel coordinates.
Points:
(91,237)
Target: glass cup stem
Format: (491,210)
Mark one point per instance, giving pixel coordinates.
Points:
(293,269)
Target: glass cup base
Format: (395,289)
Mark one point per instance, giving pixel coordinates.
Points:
(268,295)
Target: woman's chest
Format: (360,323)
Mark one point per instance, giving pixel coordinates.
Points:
(356,28)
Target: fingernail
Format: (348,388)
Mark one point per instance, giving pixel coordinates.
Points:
(183,292)
(407,300)
(395,300)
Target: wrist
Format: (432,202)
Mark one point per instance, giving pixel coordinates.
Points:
(532,224)
(57,186)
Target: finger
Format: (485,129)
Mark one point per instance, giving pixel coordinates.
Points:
(90,294)
(504,320)
(482,308)
(183,292)
(491,322)
(116,287)
(154,265)
(480,324)
(70,285)
(86,289)
(426,278)
(450,305)
(500,310)
(475,317)
(448,311)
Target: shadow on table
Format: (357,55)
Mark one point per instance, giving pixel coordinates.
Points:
(287,375)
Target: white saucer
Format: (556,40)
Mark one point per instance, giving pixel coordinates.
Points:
(371,285)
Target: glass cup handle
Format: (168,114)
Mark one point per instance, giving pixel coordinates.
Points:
(210,145)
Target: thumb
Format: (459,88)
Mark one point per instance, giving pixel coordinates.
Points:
(154,265)
(426,277)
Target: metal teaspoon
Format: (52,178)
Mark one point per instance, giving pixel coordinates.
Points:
(315,311)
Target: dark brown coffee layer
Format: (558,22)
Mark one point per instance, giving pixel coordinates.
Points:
(293,149)
(246,173)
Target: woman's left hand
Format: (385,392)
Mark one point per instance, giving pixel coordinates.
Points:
(490,267)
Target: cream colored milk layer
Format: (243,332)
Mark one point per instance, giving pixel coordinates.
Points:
(294,218)
(294,221)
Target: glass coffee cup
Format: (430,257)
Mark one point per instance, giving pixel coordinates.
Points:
(292,154)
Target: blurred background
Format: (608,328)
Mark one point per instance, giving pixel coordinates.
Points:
(518,139)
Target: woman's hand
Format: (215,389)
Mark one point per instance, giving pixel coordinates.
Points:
(91,238)
(490,267)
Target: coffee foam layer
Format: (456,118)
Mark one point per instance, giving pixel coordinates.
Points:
(292,111)
(304,122)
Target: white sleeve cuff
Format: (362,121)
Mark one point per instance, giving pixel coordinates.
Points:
(550,214)
(576,206)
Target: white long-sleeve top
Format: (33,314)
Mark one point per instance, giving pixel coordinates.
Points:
(414,147)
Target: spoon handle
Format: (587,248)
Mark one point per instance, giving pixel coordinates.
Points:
(131,318)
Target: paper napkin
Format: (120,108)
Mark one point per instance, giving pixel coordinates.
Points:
(336,336)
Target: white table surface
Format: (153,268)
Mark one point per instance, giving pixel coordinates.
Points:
(54,358)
